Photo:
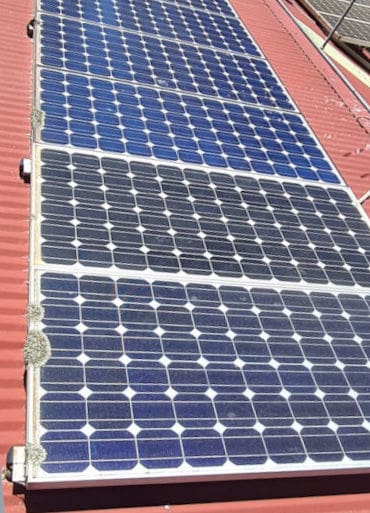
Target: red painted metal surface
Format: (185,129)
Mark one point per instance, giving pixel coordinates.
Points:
(334,115)
(15,102)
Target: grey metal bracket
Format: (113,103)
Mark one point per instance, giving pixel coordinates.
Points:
(15,465)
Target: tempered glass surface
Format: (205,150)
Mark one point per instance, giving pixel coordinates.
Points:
(161,375)
(104,212)
(103,51)
(94,113)
(168,20)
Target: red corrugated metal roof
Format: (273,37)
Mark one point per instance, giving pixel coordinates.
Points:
(333,113)
(15,104)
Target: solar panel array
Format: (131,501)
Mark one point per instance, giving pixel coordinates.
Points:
(355,27)
(203,271)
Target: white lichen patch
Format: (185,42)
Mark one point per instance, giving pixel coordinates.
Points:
(35,455)
(35,313)
(36,349)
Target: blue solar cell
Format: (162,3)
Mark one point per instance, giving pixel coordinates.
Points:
(54,407)
(159,449)
(108,411)
(234,410)
(120,55)
(284,445)
(73,458)
(355,442)
(169,219)
(113,450)
(158,114)
(167,20)
(203,447)
(309,411)
(187,404)
(322,444)
(245,447)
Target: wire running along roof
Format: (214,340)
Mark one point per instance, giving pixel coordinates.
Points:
(202,269)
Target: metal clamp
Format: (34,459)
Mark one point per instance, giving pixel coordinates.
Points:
(25,170)
(31,28)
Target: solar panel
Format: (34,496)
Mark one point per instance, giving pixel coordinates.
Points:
(352,30)
(120,55)
(167,20)
(105,212)
(158,375)
(199,277)
(86,112)
(358,10)
(355,27)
